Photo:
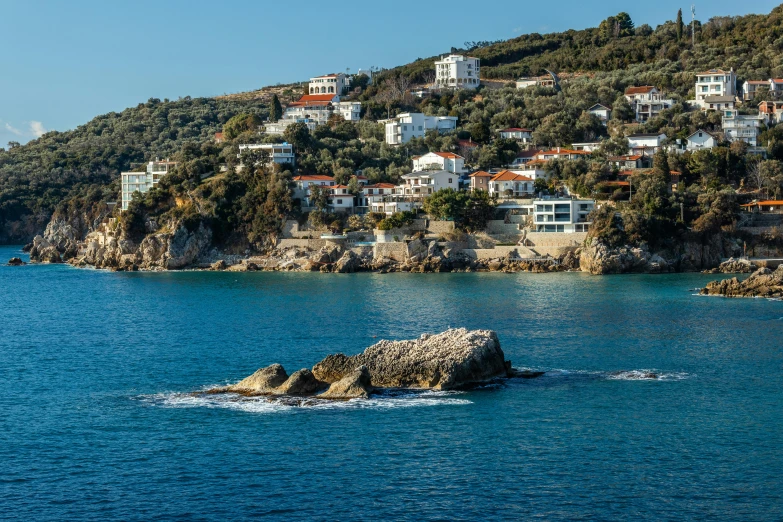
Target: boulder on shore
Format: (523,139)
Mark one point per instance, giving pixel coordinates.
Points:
(299,383)
(454,358)
(263,381)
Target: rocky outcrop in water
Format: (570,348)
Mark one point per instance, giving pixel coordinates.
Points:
(450,360)
(761,283)
(733,266)
(15,261)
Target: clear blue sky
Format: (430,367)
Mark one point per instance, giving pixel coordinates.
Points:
(64,62)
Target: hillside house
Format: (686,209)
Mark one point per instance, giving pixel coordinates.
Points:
(422,184)
(403,127)
(771,112)
(303,183)
(769,206)
(456,71)
(719,103)
(279,153)
(752,87)
(646,101)
(645,144)
(715,82)
(562,215)
(329,84)
(315,110)
(510,184)
(523,157)
(480,180)
(701,140)
(439,161)
(520,135)
(630,161)
(602,112)
(143,181)
(742,127)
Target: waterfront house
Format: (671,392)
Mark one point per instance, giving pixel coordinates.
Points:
(439,161)
(143,181)
(564,215)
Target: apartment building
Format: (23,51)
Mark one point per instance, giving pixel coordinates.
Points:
(646,101)
(562,214)
(439,161)
(456,71)
(715,82)
(143,181)
(329,84)
(403,127)
(278,152)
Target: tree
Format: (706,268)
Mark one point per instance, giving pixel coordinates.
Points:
(680,25)
(298,135)
(239,124)
(276,109)
(624,25)
(470,210)
(319,198)
(622,110)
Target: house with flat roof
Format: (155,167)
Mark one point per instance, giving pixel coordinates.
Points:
(518,134)
(336,83)
(143,181)
(279,153)
(456,71)
(404,127)
(563,215)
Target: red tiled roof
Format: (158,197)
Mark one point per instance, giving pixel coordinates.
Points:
(480,174)
(616,183)
(313,177)
(380,186)
(635,157)
(317,98)
(333,75)
(556,152)
(766,202)
(713,71)
(639,90)
(448,155)
(507,175)
(528,153)
(515,129)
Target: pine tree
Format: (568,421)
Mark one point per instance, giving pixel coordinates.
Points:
(680,25)
(276,110)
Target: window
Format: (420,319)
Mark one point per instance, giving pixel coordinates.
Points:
(449,180)
(339,201)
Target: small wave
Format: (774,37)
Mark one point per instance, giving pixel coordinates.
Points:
(391,399)
(646,375)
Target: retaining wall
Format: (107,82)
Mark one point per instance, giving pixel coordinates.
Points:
(396,251)
(556,239)
(440,227)
(497,252)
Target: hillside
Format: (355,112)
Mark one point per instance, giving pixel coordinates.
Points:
(79,169)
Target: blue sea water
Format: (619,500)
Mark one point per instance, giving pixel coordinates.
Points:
(96,422)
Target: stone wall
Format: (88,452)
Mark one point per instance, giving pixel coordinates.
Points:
(497,252)
(396,251)
(312,244)
(555,239)
(498,226)
(440,227)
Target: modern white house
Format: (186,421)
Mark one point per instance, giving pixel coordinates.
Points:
(422,184)
(561,153)
(715,82)
(314,110)
(701,140)
(403,127)
(510,184)
(562,215)
(515,133)
(371,194)
(538,81)
(751,87)
(329,84)
(602,112)
(645,144)
(278,152)
(588,146)
(646,101)
(340,199)
(143,181)
(742,127)
(456,71)
(522,158)
(439,161)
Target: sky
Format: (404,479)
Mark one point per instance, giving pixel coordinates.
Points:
(64,62)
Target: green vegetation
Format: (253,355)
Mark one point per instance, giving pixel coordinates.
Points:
(470,211)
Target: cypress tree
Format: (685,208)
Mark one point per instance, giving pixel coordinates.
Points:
(680,26)
(276,110)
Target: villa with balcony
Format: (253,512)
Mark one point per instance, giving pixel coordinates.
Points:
(562,215)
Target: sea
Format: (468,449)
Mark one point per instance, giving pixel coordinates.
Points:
(656,404)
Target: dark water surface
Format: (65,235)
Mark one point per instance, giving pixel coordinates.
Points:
(94,424)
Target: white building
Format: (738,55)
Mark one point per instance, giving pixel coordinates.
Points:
(371,194)
(646,101)
(329,84)
(422,184)
(314,110)
(439,161)
(562,215)
(602,112)
(509,184)
(278,152)
(742,127)
(539,81)
(514,133)
(588,146)
(701,140)
(645,144)
(751,87)
(715,82)
(403,127)
(718,103)
(457,72)
(340,199)
(772,112)
(143,181)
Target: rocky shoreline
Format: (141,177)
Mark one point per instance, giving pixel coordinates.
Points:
(763,283)
(452,360)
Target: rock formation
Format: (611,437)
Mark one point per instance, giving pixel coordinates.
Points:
(761,283)
(15,261)
(453,359)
